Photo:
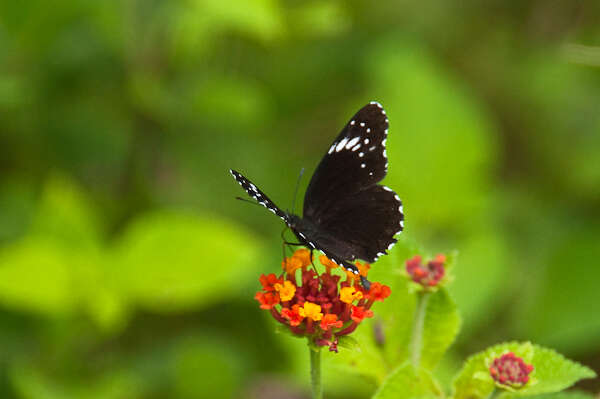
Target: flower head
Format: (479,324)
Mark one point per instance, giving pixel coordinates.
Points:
(510,371)
(359,313)
(328,263)
(350,294)
(312,311)
(330,321)
(378,292)
(268,281)
(293,315)
(286,290)
(322,306)
(428,275)
(267,299)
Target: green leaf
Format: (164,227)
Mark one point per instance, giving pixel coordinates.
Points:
(36,276)
(32,382)
(66,214)
(206,367)
(442,323)
(384,338)
(552,372)
(406,383)
(170,261)
(565,395)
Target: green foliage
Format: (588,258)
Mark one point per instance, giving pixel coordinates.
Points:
(440,123)
(405,382)
(198,273)
(442,323)
(552,372)
(566,395)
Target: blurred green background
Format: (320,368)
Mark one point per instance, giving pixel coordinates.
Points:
(127,268)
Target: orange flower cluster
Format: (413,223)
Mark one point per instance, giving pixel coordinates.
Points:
(321,307)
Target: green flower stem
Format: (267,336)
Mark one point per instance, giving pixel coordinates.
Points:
(416,341)
(315,373)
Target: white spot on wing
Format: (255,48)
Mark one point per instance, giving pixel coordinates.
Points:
(361,154)
(366,141)
(362,124)
(331,149)
(368,130)
(341,144)
(352,122)
(386,188)
(362,165)
(356,147)
(352,143)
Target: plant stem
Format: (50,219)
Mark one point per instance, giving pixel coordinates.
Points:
(315,373)
(417,332)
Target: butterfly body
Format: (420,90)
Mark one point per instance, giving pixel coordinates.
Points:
(347,215)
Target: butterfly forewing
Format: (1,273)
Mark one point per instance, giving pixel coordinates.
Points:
(343,198)
(258,195)
(355,160)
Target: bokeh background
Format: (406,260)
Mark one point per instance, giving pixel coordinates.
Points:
(128,269)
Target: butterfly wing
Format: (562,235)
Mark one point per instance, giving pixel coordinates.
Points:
(343,198)
(258,195)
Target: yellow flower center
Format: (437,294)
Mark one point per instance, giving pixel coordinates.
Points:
(287,290)
(349,294)
(311,310)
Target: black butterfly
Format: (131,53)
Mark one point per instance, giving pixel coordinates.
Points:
(347,215)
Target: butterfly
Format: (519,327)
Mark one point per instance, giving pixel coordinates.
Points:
(347,215)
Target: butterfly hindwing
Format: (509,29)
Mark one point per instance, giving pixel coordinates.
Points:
(366,222)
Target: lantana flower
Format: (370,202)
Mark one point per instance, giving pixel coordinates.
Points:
(510,371)
(428,275)
(322,306)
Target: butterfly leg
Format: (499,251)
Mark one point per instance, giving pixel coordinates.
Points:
(284,242)
(312,263)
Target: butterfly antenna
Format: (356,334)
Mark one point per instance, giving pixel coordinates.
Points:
(296,190)
(247,200)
